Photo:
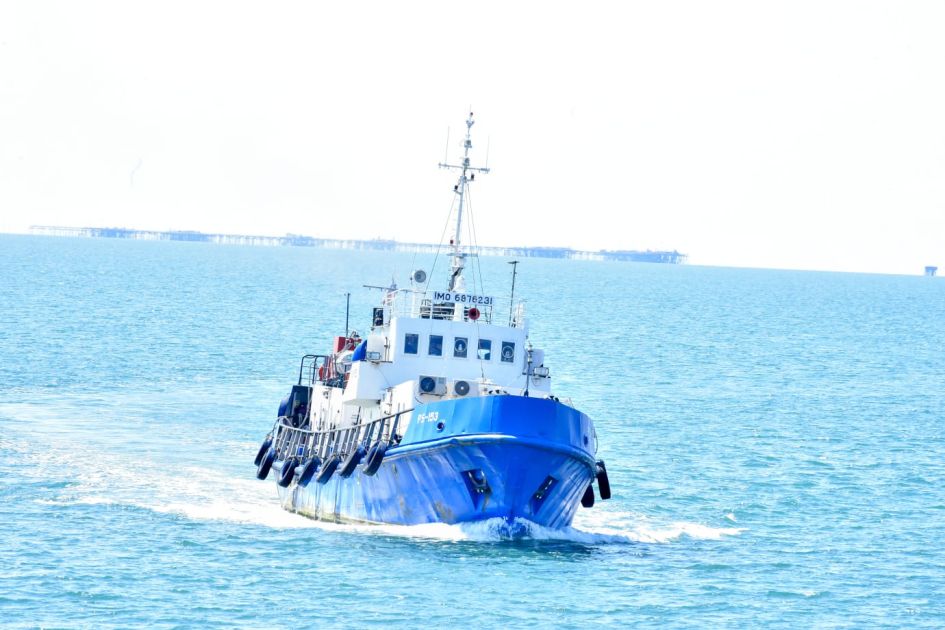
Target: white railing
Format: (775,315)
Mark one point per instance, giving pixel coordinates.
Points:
(422,304)
(291,442)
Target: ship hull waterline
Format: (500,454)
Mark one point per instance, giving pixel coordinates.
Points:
(431,485)
(529,459)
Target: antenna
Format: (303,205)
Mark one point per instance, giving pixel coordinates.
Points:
(347,311)
(446,149)
(514,264)
(461,189)
(488,142)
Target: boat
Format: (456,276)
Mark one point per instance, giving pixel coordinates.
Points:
(442,413)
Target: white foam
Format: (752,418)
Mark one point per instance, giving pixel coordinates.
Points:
(209,495)
(498,529)
(205,494)
(272,515)
(107,477)
(609,520)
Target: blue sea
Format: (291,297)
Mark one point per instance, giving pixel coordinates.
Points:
(775,442)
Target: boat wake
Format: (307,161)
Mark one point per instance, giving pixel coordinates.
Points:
(205,494)
(85,475)
(620,528)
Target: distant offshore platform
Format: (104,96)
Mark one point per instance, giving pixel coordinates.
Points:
(298,240)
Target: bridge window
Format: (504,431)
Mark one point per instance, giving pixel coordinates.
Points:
(485,349)
(508,351)
(411,343)
(436,346)
(460,346)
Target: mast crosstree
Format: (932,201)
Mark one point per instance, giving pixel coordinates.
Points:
(467,174)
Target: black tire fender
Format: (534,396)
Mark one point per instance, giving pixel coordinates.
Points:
(266,464)
(308,470)
(374,458)
(262,450)
(328,470)
(351,461)
(288,472)
(603,482)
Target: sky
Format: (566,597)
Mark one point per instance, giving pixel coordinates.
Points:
(800,135)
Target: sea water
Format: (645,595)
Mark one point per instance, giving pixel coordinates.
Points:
(774,439)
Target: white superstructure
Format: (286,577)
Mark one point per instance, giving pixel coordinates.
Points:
(426,343)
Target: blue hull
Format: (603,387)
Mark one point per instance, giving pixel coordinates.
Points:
(466,460)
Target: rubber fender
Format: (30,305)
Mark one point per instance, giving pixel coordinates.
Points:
(288,472)
(374,458)
(603,483)
(309,470)
(351,461)
(266,464)
(262,450)
(588,499)
(328,470)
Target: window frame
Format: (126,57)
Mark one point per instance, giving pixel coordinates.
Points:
(430,346)
(465,354)
(416,347)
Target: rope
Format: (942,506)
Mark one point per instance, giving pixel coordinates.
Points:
(475,239)
(439,245)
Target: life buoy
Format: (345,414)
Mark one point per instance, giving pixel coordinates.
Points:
(473,313)
(588,499)
(309,470)
(327,470)
(262,450)
(374,458)
(322,373)
(352,460)
(288,472)
(263,470)
(603,483)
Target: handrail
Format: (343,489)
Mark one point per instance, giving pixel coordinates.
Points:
(309,371)
(314,358)
(420,304)
(290,442)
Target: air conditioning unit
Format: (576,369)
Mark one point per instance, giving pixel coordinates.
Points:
(433,385)
(461,388)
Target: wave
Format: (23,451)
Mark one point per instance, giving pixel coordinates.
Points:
(206,494)
(97,476)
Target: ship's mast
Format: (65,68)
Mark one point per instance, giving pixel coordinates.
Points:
(467,174)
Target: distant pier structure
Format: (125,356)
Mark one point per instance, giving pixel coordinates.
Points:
(298,240)
(930,271)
